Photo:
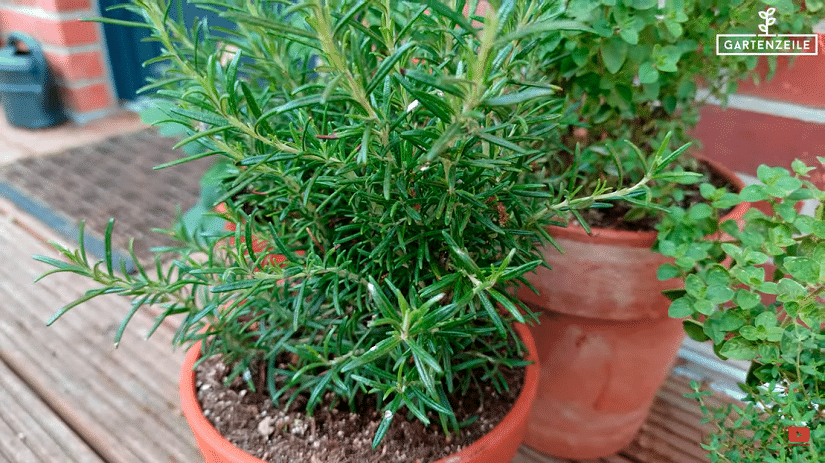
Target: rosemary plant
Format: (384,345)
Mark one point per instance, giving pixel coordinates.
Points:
(376,150)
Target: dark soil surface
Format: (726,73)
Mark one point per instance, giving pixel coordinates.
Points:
(614,217)
(335,434)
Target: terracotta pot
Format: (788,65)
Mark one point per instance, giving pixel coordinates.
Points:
(258,245)
(605,340)
(497,446)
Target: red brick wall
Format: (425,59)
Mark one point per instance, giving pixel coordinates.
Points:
(74,50)
(755,130)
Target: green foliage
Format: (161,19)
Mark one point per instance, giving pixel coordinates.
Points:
(637,77)
(380,149)
(755,290)
(752,432)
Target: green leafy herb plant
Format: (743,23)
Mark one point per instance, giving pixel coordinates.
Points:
(380,149)
(644,72)
(755,290)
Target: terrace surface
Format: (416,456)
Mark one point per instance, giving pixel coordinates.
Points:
(68,395)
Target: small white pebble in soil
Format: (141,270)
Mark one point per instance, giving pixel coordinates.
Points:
(266,426)
(298,428)
(281,421)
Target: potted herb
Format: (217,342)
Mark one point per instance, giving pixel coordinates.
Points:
(376,155)
(604,323)
(754,290)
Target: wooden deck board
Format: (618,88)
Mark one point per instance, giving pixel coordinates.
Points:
(124,401)
(31,431)
(528,455)
(109,373)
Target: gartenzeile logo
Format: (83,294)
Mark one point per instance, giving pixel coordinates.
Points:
(767,43)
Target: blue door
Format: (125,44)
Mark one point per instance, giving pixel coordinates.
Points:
(127,51)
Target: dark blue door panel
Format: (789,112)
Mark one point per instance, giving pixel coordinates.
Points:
(127,51)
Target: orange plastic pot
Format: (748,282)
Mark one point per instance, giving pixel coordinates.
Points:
(605,340)
(258,245)
(497,446)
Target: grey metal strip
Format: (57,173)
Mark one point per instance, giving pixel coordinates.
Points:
(63,225)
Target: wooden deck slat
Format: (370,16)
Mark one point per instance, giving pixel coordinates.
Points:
(683,435)
(13,447)
(139,358)
(25,418)
(110,397)
(528,455)
(93,403)
(97,324)
(113,374)
(686,423)
(656,444)
(616,459)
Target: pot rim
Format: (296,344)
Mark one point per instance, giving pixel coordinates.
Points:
(645,239)
(508,426)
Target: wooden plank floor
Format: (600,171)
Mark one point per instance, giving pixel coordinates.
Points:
(30,431)
(66,395)
(122,403)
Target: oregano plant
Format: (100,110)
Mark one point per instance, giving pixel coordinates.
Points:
(645,71)
(755,290)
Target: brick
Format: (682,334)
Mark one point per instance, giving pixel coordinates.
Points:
(88,98)
(13,21)
(75,66)
(63,33)
(64,5)
(802,82)
(742,140)
(71,33)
